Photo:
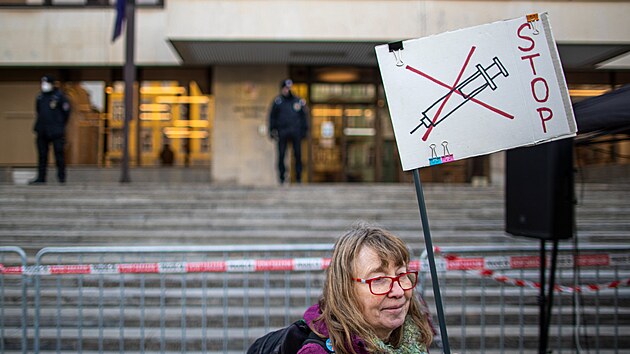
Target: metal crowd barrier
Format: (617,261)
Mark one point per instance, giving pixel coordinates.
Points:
(219,299)
(13,323)
(492,298)
(171,299)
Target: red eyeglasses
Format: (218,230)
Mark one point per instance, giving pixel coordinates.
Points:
(384,284)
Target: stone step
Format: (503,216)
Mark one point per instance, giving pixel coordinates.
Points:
(241,351)
(76,300)
(487,336)
(172,316)
(209,196)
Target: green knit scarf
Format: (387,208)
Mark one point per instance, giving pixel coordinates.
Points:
(409,343)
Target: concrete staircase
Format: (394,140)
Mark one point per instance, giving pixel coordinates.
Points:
(33,217)
(195,214)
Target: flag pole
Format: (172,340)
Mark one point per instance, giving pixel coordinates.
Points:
(431,257)
(129,73)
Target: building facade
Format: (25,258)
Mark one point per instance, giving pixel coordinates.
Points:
(207,71)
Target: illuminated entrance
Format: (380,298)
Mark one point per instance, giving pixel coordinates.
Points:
(175,125)
(343,133)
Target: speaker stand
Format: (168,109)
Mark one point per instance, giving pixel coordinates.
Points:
(546,301)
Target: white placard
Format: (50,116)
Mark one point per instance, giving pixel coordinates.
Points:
(476,91)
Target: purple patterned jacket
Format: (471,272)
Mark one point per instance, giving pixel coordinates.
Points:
(313,348)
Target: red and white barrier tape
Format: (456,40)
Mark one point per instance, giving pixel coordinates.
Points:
(557,288)
(484,266)
(238,266)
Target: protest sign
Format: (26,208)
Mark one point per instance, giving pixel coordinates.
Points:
(475,91)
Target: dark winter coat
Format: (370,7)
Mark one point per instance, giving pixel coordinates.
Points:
(53,112)
(288,116)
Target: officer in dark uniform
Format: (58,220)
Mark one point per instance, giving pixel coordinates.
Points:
(53,111)
(288,122)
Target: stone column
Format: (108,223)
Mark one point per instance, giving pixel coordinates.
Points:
(497,168)
(242,152)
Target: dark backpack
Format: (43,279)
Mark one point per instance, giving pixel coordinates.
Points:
(287,340)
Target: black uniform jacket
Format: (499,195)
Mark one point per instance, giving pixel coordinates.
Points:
(53,112)
(288,116)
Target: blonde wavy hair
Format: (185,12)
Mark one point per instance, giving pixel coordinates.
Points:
(341,311)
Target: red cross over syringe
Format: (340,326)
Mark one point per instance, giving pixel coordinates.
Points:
(465,91)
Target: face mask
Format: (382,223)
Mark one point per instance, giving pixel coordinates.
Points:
(47,87)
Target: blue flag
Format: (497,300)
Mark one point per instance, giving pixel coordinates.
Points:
(120,17)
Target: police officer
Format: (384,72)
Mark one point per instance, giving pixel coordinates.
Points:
(53,110)
(288,122)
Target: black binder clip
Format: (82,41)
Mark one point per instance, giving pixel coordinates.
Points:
(396,48)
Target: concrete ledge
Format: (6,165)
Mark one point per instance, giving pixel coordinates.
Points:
(21,175)
(603,173)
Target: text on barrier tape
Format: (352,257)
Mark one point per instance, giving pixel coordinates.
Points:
(445,263)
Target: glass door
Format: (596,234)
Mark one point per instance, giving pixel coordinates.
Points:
(326,133)
(344,132)
(359,134)
(343,143)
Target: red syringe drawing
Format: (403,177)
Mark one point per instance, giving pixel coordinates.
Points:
(465,92)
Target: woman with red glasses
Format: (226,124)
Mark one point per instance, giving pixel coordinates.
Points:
(368,303)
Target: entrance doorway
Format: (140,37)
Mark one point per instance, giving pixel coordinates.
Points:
(343,132)
(343,142)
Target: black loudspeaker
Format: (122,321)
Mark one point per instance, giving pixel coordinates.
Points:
(539,191)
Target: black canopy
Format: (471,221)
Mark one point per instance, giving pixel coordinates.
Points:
(605,114)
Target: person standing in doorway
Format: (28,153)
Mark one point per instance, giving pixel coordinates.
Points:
(166,155)
(52,113)
(288,122)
